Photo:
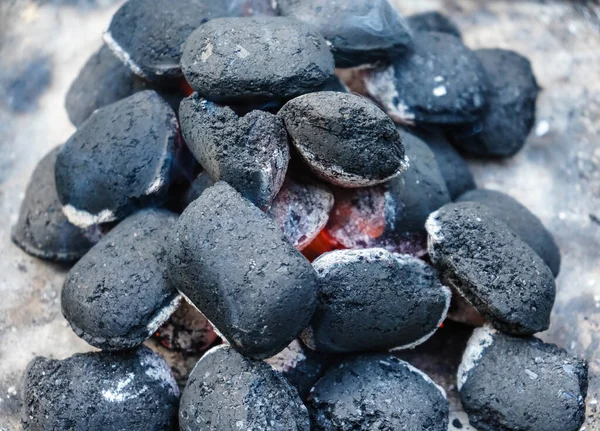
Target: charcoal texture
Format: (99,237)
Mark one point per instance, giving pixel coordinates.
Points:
(250,153)
(201,183)
(133,391)
(118,294)
(374,300)
(377,392)
(359,31)
(244,60)
(502,277)
(508,383)
(236,266)
(227,391)
(510,114)
(119,160)
(433,21)
(344,138)
(42,229)
(521,221)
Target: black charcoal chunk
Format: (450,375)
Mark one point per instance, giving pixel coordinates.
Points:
(508,383)
(301,366)
(521,221)
(42,229)
(201,183)
(235,265)
(498,273)
(250,153)
(441,81)
(248,60)
(344,138)
(119,293)
(374,300)
(147,35)
(377,392)
(132,391)
(120,159)
(359,32)
(510,114)
(433,21)
(227,391)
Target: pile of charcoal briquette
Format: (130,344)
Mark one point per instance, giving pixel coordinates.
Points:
(221,167)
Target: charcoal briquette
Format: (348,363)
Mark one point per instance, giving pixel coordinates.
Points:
(433,21)
(197,187)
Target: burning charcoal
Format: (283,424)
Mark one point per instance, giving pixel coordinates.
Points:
(510,115)
(374,300)
(302,367)
(498,273)
(245,60)
(250,153)
(147,34)
(118,294)
(509,383)
(132,391)
(442,82)
(227,391)
(42,229)
(521,221)
(359,32)
(201,183)
(234,264)
(433,21)
(103,172)
(102,81)
(377,392)
(344,138)
(302,211)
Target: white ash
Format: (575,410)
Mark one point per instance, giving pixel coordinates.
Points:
(288,358)
(380,86)
(163,315)
(84,219)
(122,55)
(481,339)
(158,370)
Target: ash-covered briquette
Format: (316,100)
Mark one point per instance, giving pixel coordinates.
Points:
(201,183)
(498,273)
(132,391)
(453,167)
(506,122)
(521,221)
(377,392)
(118,294)
(147,35)
(120,159)
(249,60)
(508,383)
(345,139)
(302,211)
(374,300)
(42,229)
(250,153)
(301,366)
(235,265)
(359,32)
(441,81)
(433,21)
(227,391)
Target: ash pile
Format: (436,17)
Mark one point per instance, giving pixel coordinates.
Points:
(228,200)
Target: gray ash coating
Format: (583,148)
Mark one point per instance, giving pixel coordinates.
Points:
(250,153)
(433,21)
(374,300)
(236,266)
(521,221)
(118,294)
(132,391)
(498,273)
(508,383)
(510,115)
(118,160)
(147,35)
(42,229)
(345,139)
(247,60)
(227,391)
(377,392)
(441,81)
(359,31)
(197,187)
